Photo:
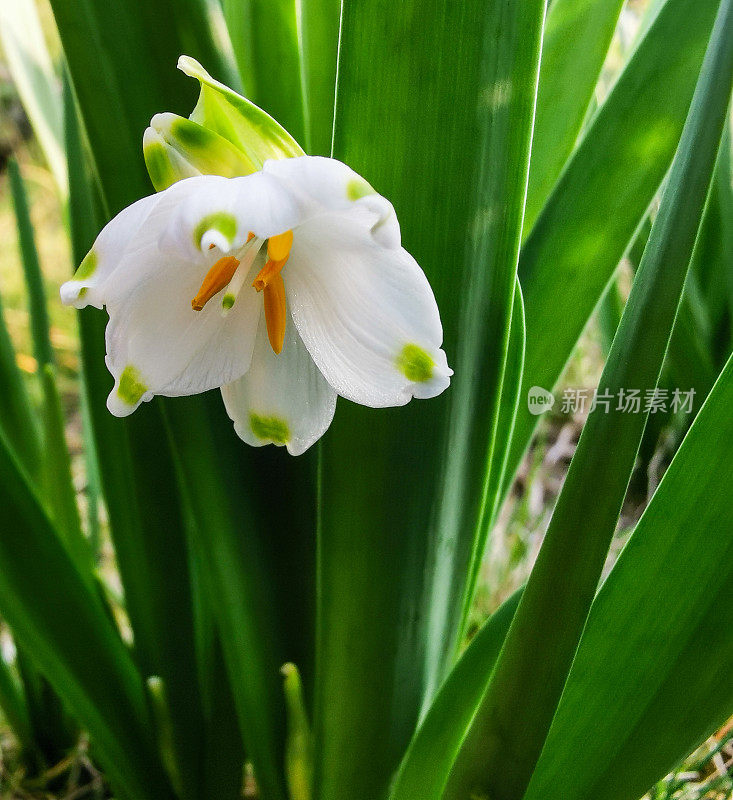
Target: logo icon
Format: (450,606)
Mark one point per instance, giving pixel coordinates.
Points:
(539,400)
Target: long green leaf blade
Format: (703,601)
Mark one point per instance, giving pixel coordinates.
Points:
(511,726)
(31,268)
(603,194)
(39,88)
(319,26)
(394,553)
(146,518)
(56,481)
(638,698)
(508,409)
(61,621)
(577,36)
(264,35)
(428,761)
(17,420)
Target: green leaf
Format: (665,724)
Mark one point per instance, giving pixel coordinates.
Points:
(639,698)
(58,487)
(256,557)
(56,616)
(509,405)
(17,420)
(121,58)
(31,269)
(264,36)
(30,65)
(511,726)
(319,32)
(394,551)
(603,194)
(14,709)
(429,758)
(712,265)
(140,489)
(576,39)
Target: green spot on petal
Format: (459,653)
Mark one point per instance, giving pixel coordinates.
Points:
(227,301)
(131,387)
(357,188)
(221,221)
(88,267)
(159,165)
(190,135)
(272,429)
(415,363)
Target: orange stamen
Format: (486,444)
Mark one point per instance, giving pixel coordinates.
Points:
(278,252)
(267,273)
(275,311)
(216,279)
(278,247)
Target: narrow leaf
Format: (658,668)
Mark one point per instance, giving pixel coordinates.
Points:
(394,554)
(17,420)
(509,731)
(604,192)
(39,88)
(61,621)
(577,36)
(319,32)
(31,269)
(56,480)
(264,35)
(647,687)
(425,768)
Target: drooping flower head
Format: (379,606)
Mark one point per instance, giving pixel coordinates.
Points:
(285,287)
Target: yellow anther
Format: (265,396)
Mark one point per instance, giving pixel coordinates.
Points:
(267,273)
(270,281)
(275,311)
(216,279)
(278,247)
(278,252)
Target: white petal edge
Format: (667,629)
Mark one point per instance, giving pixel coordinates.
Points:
(136,228)
(366,313)
(333,186)
(283,399)
(226,210)
(157,345)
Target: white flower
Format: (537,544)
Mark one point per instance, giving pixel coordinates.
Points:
(284,288)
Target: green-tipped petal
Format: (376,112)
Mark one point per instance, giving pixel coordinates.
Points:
(242,123)
(165,164)
(198,150)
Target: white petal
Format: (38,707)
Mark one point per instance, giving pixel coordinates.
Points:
(282,399)
(135,229)
(366,313)
(154,335)
(226,210)
(329,185)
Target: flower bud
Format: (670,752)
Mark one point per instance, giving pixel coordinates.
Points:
(225,135)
